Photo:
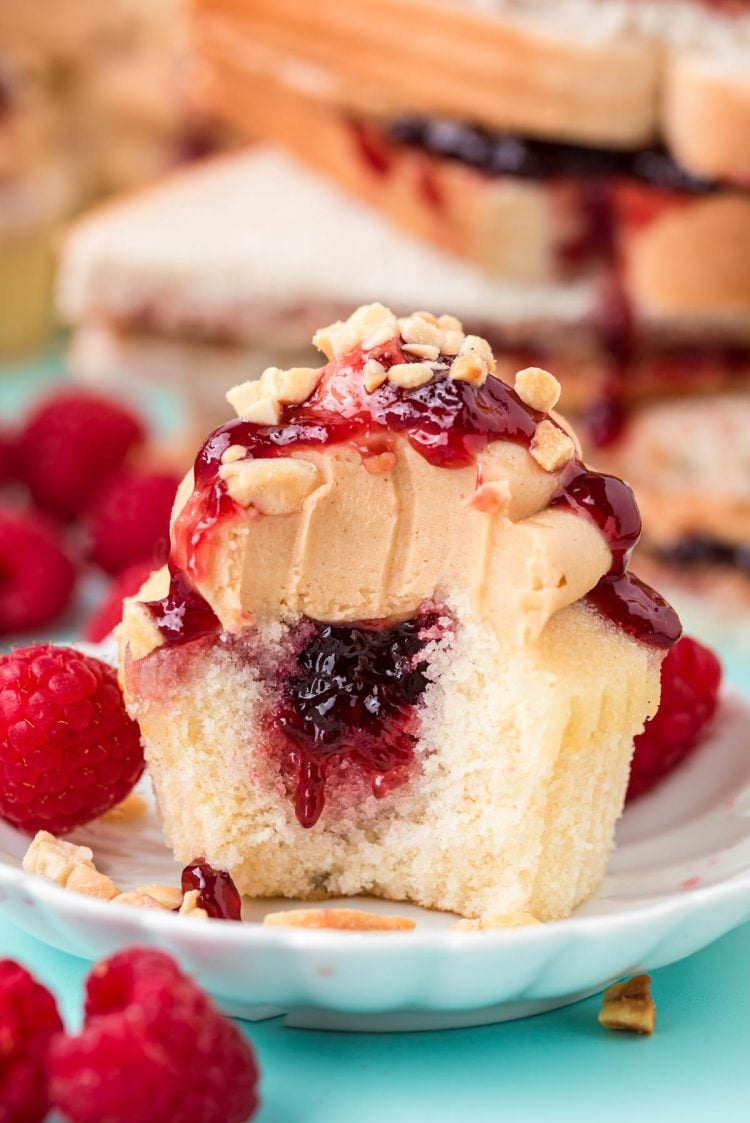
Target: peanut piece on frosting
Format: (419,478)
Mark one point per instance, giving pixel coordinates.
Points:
(450,323)
(260,401)
(475,345)
(421,330)
(410,375)
(290,387)
(629,1006)
(368,327)
(453,341)
(468,368)
(473,362)
(277,486)
(551,447)
(350,920)
(374,375)
(67,865)
(494,920)
(422,350)
(494,495)
(129,810)
(243,396)
(538,388)
(190,906)
(266,411)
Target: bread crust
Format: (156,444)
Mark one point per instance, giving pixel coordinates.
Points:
(693,260)
(398,56)
(619,88)
(707,117)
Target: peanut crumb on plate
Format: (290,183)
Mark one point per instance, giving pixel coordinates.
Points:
(629,1007)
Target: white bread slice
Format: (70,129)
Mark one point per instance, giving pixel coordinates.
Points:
(611,72)
(506,69)
(707,114)
(683,255)
(688,463)
(246,245)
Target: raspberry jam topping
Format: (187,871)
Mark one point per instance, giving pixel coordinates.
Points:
(182,615)
(608,502)
(350,700)
(217,893)
(447,422)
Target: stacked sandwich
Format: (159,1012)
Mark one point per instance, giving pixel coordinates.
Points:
(100,100)
(568,177)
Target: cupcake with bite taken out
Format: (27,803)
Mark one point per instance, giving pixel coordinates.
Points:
(397,650)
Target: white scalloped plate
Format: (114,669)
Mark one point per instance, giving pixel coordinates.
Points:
(679,879)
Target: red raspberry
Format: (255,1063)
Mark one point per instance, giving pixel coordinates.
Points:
(68,750)
(690,683)
(109,613)
(28,1022)
(8,456)
(153,1047)
(70,443)
(36,575)
(128,521)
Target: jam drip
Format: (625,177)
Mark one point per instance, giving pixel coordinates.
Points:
(182,615)
(217,893)
(608,502)
(350,701)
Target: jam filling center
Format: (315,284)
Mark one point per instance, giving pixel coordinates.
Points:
(350,702)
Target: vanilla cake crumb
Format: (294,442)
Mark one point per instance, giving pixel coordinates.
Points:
(522,761)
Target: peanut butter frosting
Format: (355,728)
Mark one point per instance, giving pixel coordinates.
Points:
(402,472)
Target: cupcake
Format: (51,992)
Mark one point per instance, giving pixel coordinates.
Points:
(396,649)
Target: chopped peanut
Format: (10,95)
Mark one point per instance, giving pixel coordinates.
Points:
(410,375)
(374,375)
(190,906)
(629,1006)
(551,447)
(277,486)
(350,920)
(129,810)
(494,920)
(538,388)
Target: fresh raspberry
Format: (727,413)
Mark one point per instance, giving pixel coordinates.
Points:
(28,1022)
(8,456)
(68,750)
(36,575)
(690,683)
(153,1047)
(109,613)
(73,441)
(128,521)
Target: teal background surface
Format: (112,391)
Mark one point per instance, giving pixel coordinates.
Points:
(560,1066)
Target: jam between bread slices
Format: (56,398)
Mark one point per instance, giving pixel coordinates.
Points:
(348,694)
